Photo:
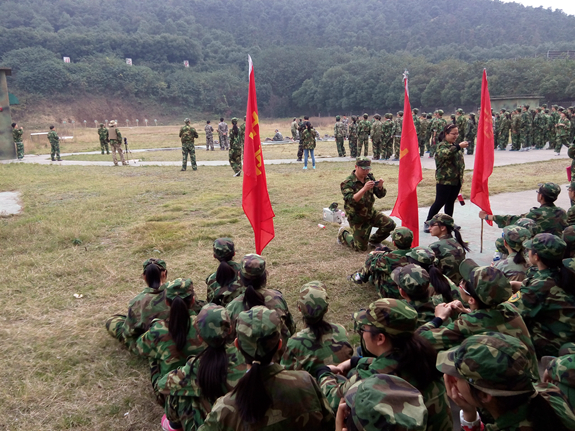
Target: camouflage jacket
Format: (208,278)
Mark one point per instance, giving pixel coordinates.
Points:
(188,134)
(461,122)
(339,130)
(294,127)
(555,117)
(209,131)
(549,219)
(224,295)
(563,128)
(235,139)
(515,123)
(242,133)
(103,133)
(303,353)
(398,127)
(526,120)
(376,131)
(298,404)
(378,267)
(425,311)
(471,130)
(548,311)
(353,130)
(512,270)
(308,138)
(223,128)
(358,212)
(53,137)
(17,134)
(182,382)
(539,122)
(157,345)
(388,130)
(434,395)
(571,216)
(449,164)
(439,125)
(504,127)
(363,128)
(423,127)
(450,255)
(417,124)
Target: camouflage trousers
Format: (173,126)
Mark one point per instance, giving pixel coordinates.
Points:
(180,410)
(560,141)
(503,140)
(353,147)
(117,147)
(55,150)
(377,147)
(396,146)
(362,141)
(552,139)
(224,142)
(340,146)
(358,236)
(428,143)
(386,148)
(236,158)
(209,143)
(421,142)
(525,138)
(191,150)
(155,376)
(537,138)
(471,147)
(20,149)
(300,150)
(104,146)
(115,327)
(515,141)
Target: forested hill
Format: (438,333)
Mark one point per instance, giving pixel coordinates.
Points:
(322,55)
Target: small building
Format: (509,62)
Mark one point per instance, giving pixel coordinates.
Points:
(512,102)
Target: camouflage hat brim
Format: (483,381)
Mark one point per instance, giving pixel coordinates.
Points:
(466,269)
(179,287)
(569,264)
(360,319)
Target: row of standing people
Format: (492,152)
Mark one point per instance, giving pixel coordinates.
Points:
(53,138)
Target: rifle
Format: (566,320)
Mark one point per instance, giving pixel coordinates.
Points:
(127,151)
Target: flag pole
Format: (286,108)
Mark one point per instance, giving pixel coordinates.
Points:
(481,248)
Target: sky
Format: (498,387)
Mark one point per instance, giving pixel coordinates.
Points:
(567,6)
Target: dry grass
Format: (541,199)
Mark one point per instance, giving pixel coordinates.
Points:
(59,368)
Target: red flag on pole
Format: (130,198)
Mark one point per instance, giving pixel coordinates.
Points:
(255,197)
(410,175)
(484,153)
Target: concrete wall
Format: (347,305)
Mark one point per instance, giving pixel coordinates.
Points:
(7,147)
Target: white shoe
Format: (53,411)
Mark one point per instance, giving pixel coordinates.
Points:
(338,232)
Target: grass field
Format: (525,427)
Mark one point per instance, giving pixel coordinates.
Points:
(59,368)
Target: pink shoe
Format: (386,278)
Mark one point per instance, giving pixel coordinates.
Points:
(166,425)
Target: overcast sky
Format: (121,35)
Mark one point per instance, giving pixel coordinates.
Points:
(567,6)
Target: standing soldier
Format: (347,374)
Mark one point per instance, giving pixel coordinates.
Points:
(471,133)
(242,135)
(353,137)
(209,136)
(424,125)
(397,135)
(504,128)
(301,128)
(376,136)
(339,132)
(438,127)
(363,135)
(538,125)
(563,129)
(187,135)
(223,134)
(235,152)
(552,130)
(429,119)
(387,140)
(115,139)
(54,144)
(294,134)
(496,127)
(345,122)
(546,131)
(516,130)
(461,123)
(416,123)
(17,133)
(103,134)
(526,124)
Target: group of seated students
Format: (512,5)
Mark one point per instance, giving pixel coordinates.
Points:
(498,340)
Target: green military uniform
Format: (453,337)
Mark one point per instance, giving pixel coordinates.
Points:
(309,139)
(54,145)
(297,402)
(303,350)
(571,154)
(294,133)
(301,128)
(430,122)
(353,137)
(242,135)
(449,164)
(516,131)
(422,136)
(526,125)
(461,124)
(437,127)
(361,214)
(553,120)
(539,125)
(103,135)
(388,129)
(187,136)
(339,133)
(235,151)
(363,130)
(563,130)
(376,136)
(471,133)
(223,295)
(414,281)
(17,136)
(397,135)
(515,236)
(561,371)
(449,252)
(504,127)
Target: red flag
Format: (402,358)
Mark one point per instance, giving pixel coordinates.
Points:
(410,175)
(255,198)
(484,153)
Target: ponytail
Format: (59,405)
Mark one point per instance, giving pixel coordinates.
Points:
(225,273)
(251,296)
(318,328)
(519,258)
(458,238)
(213,371)
(179,321)
(440,283)
(153,276)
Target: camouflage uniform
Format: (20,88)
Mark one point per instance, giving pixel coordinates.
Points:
(449,164)
(223,295)
(294,133)
(561,370)
(430,122)
(376,133)
(563,128)
(461,124)
(361,214)
(303,350)
(548,310)
(187,136)
(539,124)
(553,120)
(103,135)
(514,236)
(448,250)
(352,138)
(223,134)
(471,133)
(422,136)
(115,138)
(54,145)
(308,145)
(416,123)
(503,139)
(516,131)
(243,135)
(526,124)
(397,134)
(339,133)
(437,127)
(571,153)
(235,153)
(414,281)
(388,128)
(301,128)
(363,130)
(186,404)
(209,137)
(393,317)
(492,289)
(297,401)
(549,218)
(496,364)
(17,136)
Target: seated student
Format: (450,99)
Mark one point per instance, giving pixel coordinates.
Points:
(320,342)
(514,266)
(413,283)
(169,342)
(224,285)
(561,371)
(571,191)
(569,238)
(486,290)
(267,396)
(490,372)
(194,387)
(549,218)
(379,403)
(502,252)
(148,305)
(390,346)
(449,250)
(278,136)
(546,300)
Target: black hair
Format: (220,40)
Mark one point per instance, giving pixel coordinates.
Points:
(568,281)
(318,328)
(306,118)
(213,371)
(222,119)
(235,128)
(437,279)
(251,387)
(13,125)
(51,127)
(469,288)
(519,258)
(208,122)
(550,263)
(548,199)
(153,276)
(458,237)
(446,131)
(251,296)
(225,274)
(472,118)
(308,125)
(179,321)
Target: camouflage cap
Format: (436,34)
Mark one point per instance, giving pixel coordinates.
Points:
(234,120)
(551,190)
(187,120)
(258,331)
(567,349)
(363,162)
(515,236)
(569,264)
(101,124)
(253,266)
(365,115)
(440,112)
(337,118)
(562,371)
(391,316)
(384,401)
(224,248)
(569,235)
(389,115)
(353,118)
(312,300)
(158,262)
(460,111)
(377,117)
(490,284)
(444,219)
(528,224)
(555,106)
(494,363)
(402,237)
(182,287)
(415,110)
(423,255)
(411,278)
(472,114)
(546,245)
(213,324)
(400,113)
(452,116)
(571,186)
(500,246)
